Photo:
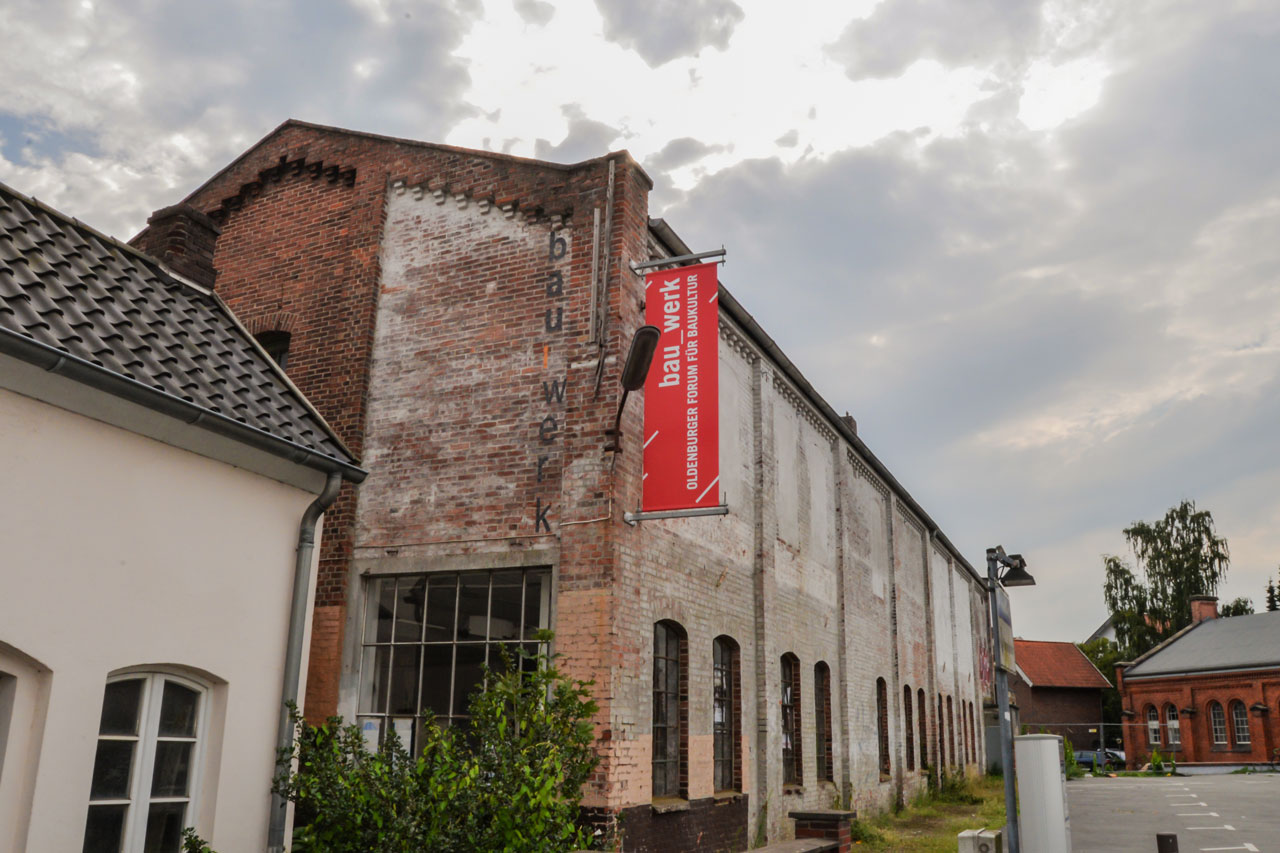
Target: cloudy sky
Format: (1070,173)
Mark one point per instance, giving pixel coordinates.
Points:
(1033,247)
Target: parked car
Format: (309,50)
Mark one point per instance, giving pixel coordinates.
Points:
(1099,759)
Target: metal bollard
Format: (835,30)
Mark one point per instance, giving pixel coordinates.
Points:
(1166,842)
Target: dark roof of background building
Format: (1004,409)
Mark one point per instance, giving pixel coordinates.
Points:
(82,304)
(1238,642)
(1053,664)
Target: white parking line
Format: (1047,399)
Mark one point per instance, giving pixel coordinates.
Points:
(1202,805)
(1197,814)
(1247,846)
(1225,826)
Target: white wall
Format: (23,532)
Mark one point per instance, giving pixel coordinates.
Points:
(120,551)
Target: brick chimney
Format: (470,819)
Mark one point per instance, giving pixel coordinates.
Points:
(183,238)
(1203,607)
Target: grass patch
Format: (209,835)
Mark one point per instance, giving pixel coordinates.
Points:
(931,822)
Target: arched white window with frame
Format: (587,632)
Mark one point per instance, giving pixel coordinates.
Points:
(1218,724)
(150,748)
(1153,726)
(1240,723)
(1172,725)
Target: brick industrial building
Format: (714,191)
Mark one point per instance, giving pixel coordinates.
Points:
(1059,691)
(1209,695)
(460,318)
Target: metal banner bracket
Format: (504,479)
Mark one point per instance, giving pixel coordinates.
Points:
(634,518)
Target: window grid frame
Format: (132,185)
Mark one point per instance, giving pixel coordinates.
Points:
(1173,727)
(824,748)
(882,729)
(726,757)
(1240,721)
(922,709)
(1217,724)
(385,720)
(142,759)
(675,770)
(909,728)
(792,737)
(1153,727)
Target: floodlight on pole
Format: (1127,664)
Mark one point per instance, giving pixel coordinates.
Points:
(634,372)
(1015,575)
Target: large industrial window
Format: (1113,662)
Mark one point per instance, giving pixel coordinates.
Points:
(822,722)
(143,789)
(921,710)
(427,638)
(942,737)
(908,729)
(1153,727)
(882,726)
(726,714)
(1240,723)
(670,710)
(792,753)
(1172,725)
(1218,724)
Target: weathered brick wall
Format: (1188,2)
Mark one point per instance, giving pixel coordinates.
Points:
(438,301)
(869,620)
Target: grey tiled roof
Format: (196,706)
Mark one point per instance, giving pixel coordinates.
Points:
(1240,642)
(71,291)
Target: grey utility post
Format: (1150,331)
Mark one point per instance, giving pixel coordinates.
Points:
(1016,575)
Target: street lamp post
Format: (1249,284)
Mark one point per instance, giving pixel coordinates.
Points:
(1015,575)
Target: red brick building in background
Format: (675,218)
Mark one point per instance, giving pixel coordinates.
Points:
(461,317)
(1209,695)
(1058,690)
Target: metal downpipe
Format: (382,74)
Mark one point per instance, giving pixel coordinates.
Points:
(293,651)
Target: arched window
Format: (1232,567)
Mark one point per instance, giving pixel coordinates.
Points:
(792,751)
(882,726)
(951,732)
(1240,724)
(908,729)
(941,755)
(276,343)
(1153,726)
(143,790)
(727,714)
(1218,724)
(921,711)
(822,722)
(670,701)
(1172,726)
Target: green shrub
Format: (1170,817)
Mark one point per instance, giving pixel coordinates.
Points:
(1157,763)
(509,780)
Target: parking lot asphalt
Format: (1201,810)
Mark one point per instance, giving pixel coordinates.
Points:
(1207,813)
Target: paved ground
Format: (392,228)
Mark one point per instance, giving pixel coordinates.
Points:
(1206,812)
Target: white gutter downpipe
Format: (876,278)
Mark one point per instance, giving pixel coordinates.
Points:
(293,651)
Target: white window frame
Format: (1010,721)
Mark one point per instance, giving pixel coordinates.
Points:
(1153,726)
(1218,724)
(1236,724)
(143,769)
(1173,725)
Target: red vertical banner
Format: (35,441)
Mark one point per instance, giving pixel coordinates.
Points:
(682,391)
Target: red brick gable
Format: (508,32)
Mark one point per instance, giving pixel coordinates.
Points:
(1050,664)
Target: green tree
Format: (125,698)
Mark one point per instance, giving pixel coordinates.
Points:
(1178,556)
(1240,607)
(1105,655)
(1273,602)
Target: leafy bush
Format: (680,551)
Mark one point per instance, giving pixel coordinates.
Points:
(510,780)
(1157,763)
(1072,767)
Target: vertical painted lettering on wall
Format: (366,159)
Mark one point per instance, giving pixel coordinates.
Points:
(682,392)
(550,393)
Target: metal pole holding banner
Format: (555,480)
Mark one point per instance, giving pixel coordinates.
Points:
(679,260)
